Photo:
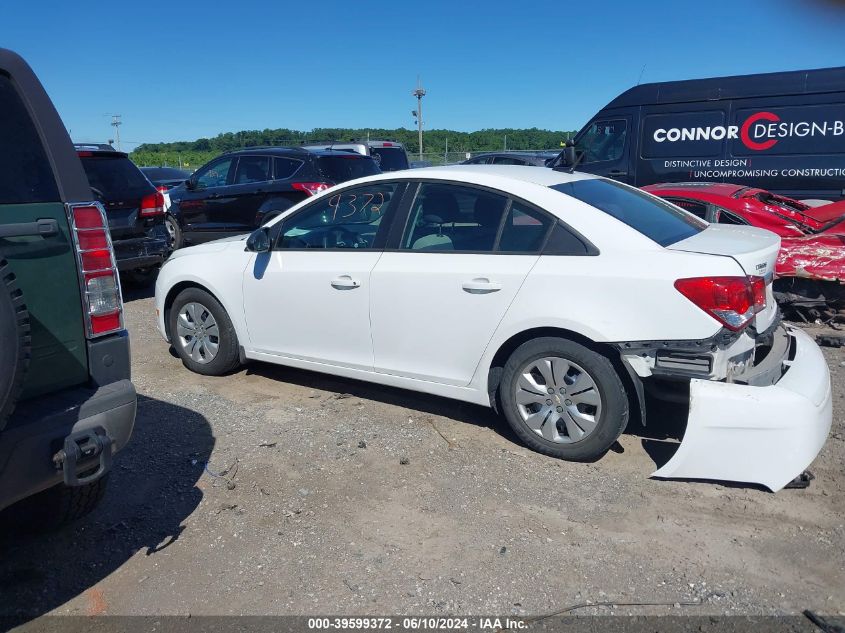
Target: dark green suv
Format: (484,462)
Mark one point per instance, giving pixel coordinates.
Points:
(66,401)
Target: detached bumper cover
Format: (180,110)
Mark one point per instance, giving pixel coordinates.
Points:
(763,435)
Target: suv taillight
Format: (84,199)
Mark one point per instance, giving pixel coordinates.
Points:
(311,188)
(98,277)
(152,204)
(733,301)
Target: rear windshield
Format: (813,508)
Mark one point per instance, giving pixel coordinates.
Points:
(390,158)
(347,167)
(658,220)
(115,177)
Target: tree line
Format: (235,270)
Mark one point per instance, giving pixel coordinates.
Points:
(192,154)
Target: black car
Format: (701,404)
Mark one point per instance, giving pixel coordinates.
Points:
(134,207)
(538,159)
(241,190)
(167,177)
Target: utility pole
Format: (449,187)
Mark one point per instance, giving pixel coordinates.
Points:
(419,93)
(116,123)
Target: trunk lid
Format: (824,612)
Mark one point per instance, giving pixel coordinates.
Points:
(755,250)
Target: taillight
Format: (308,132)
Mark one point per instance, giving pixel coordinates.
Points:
(152,204)
(311,188)
(732,301)
(98,275)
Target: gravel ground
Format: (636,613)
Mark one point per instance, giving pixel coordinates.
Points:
(324,495)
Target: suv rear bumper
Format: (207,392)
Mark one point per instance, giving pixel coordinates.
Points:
(38,428)
(142,252)
(758,434)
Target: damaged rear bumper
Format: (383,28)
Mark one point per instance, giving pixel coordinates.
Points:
(758,434)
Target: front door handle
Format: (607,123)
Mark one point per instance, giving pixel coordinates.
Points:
(481,286)
(613,173)
(345,282)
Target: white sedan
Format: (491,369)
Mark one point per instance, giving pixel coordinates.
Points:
(553,297)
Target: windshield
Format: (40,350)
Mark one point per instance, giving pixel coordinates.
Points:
(347,167)
(390,158)
(658,220)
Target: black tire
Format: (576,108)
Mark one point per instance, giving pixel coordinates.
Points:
(614,399)
(56,506)
(14,341)
(174,232)
(141,277)
(227,357)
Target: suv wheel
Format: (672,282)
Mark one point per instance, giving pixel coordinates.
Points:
(563,399)
(56,506)
(174,233)
(202,333)
(14,341)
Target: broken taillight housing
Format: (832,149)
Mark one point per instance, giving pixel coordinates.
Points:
(733,301)
(98,276)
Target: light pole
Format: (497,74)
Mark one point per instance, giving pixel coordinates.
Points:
(115,122)
(419,93)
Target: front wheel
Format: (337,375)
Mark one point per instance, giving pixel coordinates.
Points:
(202,333)
(563,399)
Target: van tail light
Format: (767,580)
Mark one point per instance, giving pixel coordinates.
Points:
(152,205)
(98,276)
(311,188)
(732,301)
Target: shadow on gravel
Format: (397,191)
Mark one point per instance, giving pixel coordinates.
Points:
(152,490)
(666,421)
(133,292)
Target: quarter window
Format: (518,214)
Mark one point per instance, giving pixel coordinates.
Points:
(286,167)
(27,176)
(524,230)
(348,219)
(215,175)
(252,169)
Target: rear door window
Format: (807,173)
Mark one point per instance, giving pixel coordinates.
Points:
(252,169)
(347,167)
(524,230)
(26,173)
(654,218)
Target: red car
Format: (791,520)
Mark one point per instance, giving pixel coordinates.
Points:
(811,263)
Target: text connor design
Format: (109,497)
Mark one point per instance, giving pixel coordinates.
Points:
(760,131)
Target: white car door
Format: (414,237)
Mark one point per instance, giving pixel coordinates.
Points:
(308,298)
(437,299)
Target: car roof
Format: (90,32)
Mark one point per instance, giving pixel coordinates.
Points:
(487,174)
(734,87)
(713,188)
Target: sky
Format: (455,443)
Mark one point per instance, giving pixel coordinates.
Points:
(182,70)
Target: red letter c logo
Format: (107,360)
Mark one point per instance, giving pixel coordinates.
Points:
(746,139)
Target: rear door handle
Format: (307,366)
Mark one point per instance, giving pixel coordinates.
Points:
(345,282)
(45,228)
(481,286)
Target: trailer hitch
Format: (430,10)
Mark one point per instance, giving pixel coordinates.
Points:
(80,450)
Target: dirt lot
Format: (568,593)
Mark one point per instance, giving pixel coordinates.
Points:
(325,495)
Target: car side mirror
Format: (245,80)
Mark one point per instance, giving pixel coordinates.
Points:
(258,241)
(569,155)
(190,184)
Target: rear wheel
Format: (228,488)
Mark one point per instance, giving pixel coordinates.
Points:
(174,233)
(563,399)
(14,341)
(56,506)
(202,333)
